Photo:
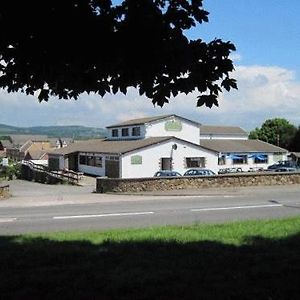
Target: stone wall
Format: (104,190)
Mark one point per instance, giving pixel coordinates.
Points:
(105,185)
(4,191)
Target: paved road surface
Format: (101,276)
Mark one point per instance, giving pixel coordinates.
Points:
(38,208)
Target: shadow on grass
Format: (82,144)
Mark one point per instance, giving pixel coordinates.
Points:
(44,269)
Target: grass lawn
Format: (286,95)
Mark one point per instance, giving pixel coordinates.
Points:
(241,260)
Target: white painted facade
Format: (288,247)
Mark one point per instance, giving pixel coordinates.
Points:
(189,131)
(169,126)
(152,155)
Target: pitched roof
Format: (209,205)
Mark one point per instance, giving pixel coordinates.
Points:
(19,139)
(110,146)
(6,143)
(148,120)
(227,146)
(222,130)
(35,154)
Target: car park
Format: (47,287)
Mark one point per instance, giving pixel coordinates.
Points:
(199,172)
(167,173)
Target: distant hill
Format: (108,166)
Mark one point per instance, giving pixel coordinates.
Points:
(76,132)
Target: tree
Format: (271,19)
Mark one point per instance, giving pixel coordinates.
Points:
(64,48)
(295,143)
(277,131)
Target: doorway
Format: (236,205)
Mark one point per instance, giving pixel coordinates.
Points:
(166,163)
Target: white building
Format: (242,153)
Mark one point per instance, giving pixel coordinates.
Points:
(140,147)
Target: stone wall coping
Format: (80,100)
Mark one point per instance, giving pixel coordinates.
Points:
(245,174)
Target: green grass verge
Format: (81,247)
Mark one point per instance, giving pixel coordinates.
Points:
(241,260)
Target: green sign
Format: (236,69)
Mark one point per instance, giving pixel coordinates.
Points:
(173,125)
(136,160)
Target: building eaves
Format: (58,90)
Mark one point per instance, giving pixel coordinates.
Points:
(240,146)
(108,146)
(222,130)
(147,120)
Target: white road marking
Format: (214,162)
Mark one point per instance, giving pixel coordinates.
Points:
(236,207)
(6,220)
(203,196)
(104,215)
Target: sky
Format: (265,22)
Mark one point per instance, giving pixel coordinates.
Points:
(266,34)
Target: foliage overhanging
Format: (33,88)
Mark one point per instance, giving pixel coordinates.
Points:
(64,48)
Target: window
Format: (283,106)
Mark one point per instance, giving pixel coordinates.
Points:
(261,159)
(82,159)
(222,160)
(91,161)
(125,132)
(112,158)
(98,162)
(239,159)
(136,131)
(195,162)
(115,132)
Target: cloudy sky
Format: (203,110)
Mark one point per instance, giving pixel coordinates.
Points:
(267,36)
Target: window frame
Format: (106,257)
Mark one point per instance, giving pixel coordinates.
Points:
(240,161)
(136,131)
(125,132)
(259,161)
(115,132)
(201,162)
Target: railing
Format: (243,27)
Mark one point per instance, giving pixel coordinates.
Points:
(4,187)
(66,175)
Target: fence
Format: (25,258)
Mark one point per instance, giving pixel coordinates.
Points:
(42,173)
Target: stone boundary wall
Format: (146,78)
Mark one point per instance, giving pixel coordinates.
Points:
(151,184)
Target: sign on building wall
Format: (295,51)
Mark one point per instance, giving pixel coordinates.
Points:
(136,160)
(174,125)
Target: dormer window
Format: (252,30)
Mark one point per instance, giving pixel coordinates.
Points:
(125,132)
(136,131)
(115,133)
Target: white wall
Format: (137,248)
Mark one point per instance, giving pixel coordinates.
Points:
(152,155)
(189,132)
(91,170)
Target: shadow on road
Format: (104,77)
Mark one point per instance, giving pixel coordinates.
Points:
(35,268)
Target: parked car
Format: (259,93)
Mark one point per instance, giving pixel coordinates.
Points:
(283,166)
(285,169)
(199,172)
(167,173)
(230,170)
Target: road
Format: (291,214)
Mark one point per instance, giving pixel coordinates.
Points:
(75,208)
